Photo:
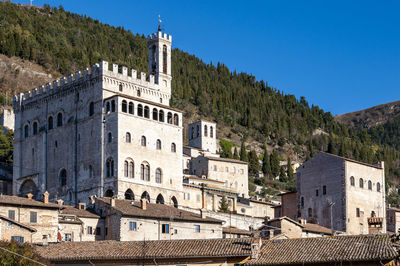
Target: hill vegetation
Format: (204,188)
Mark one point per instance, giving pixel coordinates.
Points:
(64,42)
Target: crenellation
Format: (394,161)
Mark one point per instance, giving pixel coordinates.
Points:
(151,79)
(134,74)
(77,75)
(55,84)
(27,95)
(34,92)
(41,89)
(48,87)
(62,81)
(115,68)
(124,71)
(143,76)
(70,78)
(85,73)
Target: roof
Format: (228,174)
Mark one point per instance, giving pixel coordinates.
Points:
(225,160)
(17,223)
(286,193)
(325,250)
(235,230)
(155,249)
(157,211)
(351,160)
(316,228)
(285,218)
(20,201)
(79,212)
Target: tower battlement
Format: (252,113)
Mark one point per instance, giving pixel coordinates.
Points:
(160,35)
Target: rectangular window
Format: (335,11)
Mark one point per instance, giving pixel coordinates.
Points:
(324,190)
(357,212)
(132,226)
(11,214)
(89,230)
(106,231)
(197,228)
(316,192)
(20,239)
(165,228)
(68,237)
(33,218)
(98,231)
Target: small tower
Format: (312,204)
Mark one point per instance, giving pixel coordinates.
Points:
(203,135)
(159,46)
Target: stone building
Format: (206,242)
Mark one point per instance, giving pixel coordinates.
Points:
(102,132)
(7,118)
(393,219)
(354,191)
(127,220)
(289,205)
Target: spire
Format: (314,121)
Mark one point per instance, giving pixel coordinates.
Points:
(159,23)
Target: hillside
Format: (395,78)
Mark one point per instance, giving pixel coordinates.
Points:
(371,117)
(246,109)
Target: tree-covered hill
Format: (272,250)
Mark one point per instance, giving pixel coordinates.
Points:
(65,42)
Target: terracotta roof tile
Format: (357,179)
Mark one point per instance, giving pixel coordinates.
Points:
(20,201)
(325,250)
(88,213)
(234,230)
(18,223)
(316,228)
(108,249)
(225,160)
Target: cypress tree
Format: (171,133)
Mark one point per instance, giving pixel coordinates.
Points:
(223,206)
(254,166)
(274,164)
(243,153)
(266,165)
(236,154)
(290,173)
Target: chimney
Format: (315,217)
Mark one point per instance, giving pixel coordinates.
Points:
(92,199)
(82,206)
(60,202)
(45,240)
(46,197)
(203,213)
(143,203)
(29,195)
(255,248)
(112,202)
(302,221)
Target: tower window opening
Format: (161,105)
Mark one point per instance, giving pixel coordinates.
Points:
(165,58)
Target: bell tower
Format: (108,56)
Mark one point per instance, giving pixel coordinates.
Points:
(159,47)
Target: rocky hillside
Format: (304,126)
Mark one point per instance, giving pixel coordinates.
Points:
(371,117)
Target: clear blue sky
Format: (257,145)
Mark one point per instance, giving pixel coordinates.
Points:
(341,55)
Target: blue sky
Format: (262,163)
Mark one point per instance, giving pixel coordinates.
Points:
(341,55)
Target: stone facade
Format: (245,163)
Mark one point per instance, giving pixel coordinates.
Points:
(289,205)
(355,190)
(393,219)
(11,230)
(7,118)
(202,135)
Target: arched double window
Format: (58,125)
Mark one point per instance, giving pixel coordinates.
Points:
(59,119)
(128,137)
(158,144)
(63,177)
(131,170)
(124,106)
(369,185)
(35,128)
(176,120)
(130,108)
(158,175)
(155,114)
(361,183)
(161,116)
(91,108)
(165,59)
(126,168)
(173,147)
(140,110)
(110,167)
(50,123)
(352,183)
(143,141)
(146,112)
(26,131)
(205,131)
(211,132)
(169,118)
(145,171)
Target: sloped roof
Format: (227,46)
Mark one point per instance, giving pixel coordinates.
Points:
(225,160)
(235,230)
(316,228)
(25,202)
(79,212)
(325,250)
(17,223)
(157,211)
(155,249)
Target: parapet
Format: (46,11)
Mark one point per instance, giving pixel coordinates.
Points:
(160,35)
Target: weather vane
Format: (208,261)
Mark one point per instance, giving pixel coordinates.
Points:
(159,23)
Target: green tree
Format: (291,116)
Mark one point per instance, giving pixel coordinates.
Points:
(254,165)
(275,167)
(266,164)
(236,154)
(289,171)
(223,205)
(243,153)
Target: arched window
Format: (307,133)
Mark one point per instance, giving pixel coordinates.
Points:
(35,128)
(126,168)
(176,120)
(146,196)
(174,201)
(173,147)
(128,137)
(140,110)
(63,177)
(138,93)
(130,109)
(161,116)
(129,194)
(120,87)
(302,202)
(90,171)
(160,199)
(143,141)
(158,144)
(369,185)
(26,131)
(124,106)
(145,171)
(211,132)
(109,193)
(165,59)
(28,186)
(91,108)
(192,133)
(59,119)
(155,114)
(110,167)
(361,183)
(131,171)
(158,175)
(352,181)
(50,123)
(146,112)
(109,137)
(107,107)
(205,131)
(112,106)
(197,131)
(169,118)
(378,187)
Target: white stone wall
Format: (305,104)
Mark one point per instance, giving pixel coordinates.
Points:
(201,138)
(7,119)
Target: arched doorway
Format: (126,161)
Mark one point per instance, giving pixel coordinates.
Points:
(28,187)
(129,194)
(146,196)
(109,193)
(174,201)
(160,199)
